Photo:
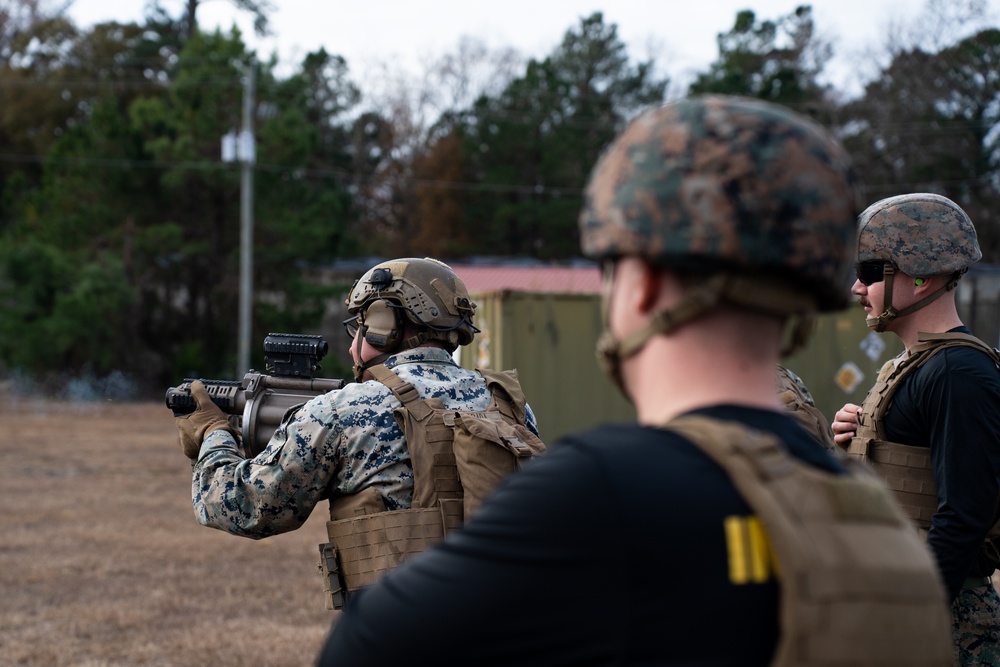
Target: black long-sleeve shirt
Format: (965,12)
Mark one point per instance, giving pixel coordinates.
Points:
(952,405)
(609,550)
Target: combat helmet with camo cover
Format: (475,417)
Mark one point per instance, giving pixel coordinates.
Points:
(759,200)
(921,234)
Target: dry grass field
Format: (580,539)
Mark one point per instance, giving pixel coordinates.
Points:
(102,563)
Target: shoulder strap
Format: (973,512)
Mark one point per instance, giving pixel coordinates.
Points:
(404,391)
(928,344)
(504,387)
(953,339)
(428,440)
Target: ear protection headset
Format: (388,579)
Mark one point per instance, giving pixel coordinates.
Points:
(383,325)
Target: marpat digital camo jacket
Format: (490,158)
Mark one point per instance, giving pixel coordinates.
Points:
(336,444)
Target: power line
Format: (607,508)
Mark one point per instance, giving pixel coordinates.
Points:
(101,84)
(346,177)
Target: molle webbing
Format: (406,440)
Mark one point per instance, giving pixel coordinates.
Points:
(368,546)
(857,585)
(905,469)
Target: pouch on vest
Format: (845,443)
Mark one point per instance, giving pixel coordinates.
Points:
(463,454)
(490,445)
(858,586)
(487,449)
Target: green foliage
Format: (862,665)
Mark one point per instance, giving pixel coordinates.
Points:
(303,205)
(776,61)
(120,226)
(59,313)
(34,112)
(124,249)
(33,277)
(258,9)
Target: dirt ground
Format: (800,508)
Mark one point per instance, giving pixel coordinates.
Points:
(102,563)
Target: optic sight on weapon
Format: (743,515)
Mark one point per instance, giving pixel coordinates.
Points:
(257,405)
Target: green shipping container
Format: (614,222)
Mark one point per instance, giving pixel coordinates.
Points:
(550,340)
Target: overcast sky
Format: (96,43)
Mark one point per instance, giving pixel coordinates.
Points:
(679,33)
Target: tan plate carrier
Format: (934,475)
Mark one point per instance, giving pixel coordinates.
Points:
(458,458)
(907,469)
(858,586)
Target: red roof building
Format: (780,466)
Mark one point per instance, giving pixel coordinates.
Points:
(544,279)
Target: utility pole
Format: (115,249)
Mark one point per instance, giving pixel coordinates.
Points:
(242,148)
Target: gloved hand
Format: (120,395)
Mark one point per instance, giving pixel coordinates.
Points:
(206,418)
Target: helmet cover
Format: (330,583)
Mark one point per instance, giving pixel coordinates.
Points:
(923,234)
(728,183)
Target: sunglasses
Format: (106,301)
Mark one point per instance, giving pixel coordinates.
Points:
(870,272)
(351,326)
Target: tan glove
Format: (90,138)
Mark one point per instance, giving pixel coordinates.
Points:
(207,417)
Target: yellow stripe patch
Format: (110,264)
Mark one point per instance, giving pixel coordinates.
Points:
(750,560)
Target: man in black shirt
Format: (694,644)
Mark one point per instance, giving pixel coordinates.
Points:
(935,410)
(717,221)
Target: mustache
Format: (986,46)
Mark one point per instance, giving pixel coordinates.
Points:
(864,302)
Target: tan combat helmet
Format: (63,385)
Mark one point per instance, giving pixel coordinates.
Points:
(758,199)
(920,234)
(424,292)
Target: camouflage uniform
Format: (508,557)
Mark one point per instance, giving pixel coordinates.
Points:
(336,444)
(976,626)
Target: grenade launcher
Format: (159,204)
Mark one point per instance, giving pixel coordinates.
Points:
(258,404)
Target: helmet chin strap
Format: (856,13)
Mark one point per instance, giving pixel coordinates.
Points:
(611,352)
(879,323)
(754,294)
(360,366)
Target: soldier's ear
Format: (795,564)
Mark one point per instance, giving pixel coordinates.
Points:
(633,283)
(650,286)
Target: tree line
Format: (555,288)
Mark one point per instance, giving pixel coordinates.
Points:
(119,224)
